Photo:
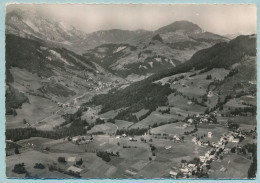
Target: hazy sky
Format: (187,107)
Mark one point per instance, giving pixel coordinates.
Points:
(220,19)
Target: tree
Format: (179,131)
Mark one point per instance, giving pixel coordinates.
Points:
(16,151)
(233,149)
(153,153)
(24,121)
(209,77)
(61,160)
(39,166)
(252,169)
(117,153)
(79,162)
(19,168)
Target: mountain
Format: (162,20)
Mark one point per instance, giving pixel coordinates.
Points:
(31,24)
(224,65)
(184,27)
(154,52)
(233,36)
(113,36)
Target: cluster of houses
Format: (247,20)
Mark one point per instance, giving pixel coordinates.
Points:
(218,148)
(203,118)
(82,139)
(63,104)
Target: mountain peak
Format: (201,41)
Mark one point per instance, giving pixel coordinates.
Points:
(181,27)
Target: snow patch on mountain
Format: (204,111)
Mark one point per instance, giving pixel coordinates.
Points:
(120,48)
(59,57)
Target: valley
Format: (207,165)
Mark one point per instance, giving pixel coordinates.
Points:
(175,103)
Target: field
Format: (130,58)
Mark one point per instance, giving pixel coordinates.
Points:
(234,166)
(106,128)
(38,109)
(172,129)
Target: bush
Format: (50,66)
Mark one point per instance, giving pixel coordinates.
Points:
(99,121)
(61,160)
(104,155)
(79,162)
(16,151)
(39,166)
(209,77)
(19,168)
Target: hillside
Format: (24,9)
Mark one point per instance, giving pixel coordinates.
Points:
(43,77)
(222,61)
(160,50)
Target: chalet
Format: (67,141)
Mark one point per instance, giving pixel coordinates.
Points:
(210,94)
(74,169)
(168,147)
(71,159)
(189,102)
(212,157)
(199,143)
(194,139)
(231,138)
(236,140)
(184,170)
(176,137)
(190,120)
(173,174)
(192,166)
(202,158)
(75,139)
(223,169)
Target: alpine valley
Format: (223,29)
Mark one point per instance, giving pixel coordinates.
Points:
(176,102)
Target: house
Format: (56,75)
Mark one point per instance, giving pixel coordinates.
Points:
(236,140)
(173,174)
(202,158)
(210,134)
(199,143)
(130,138)
(207,154)
(223,169)
(211,157)
(189,102)
(194,139)
(74,169)
(191,165)
(190,120)
(231,138)
(75,139)
(184,170)
(71,159)
(210,94)
(124,135)
(168,147)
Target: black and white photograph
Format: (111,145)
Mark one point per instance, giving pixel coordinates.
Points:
(131,91)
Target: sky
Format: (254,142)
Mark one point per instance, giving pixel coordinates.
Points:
(219,19)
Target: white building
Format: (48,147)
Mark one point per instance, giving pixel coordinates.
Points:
(235,140)
(173,174)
